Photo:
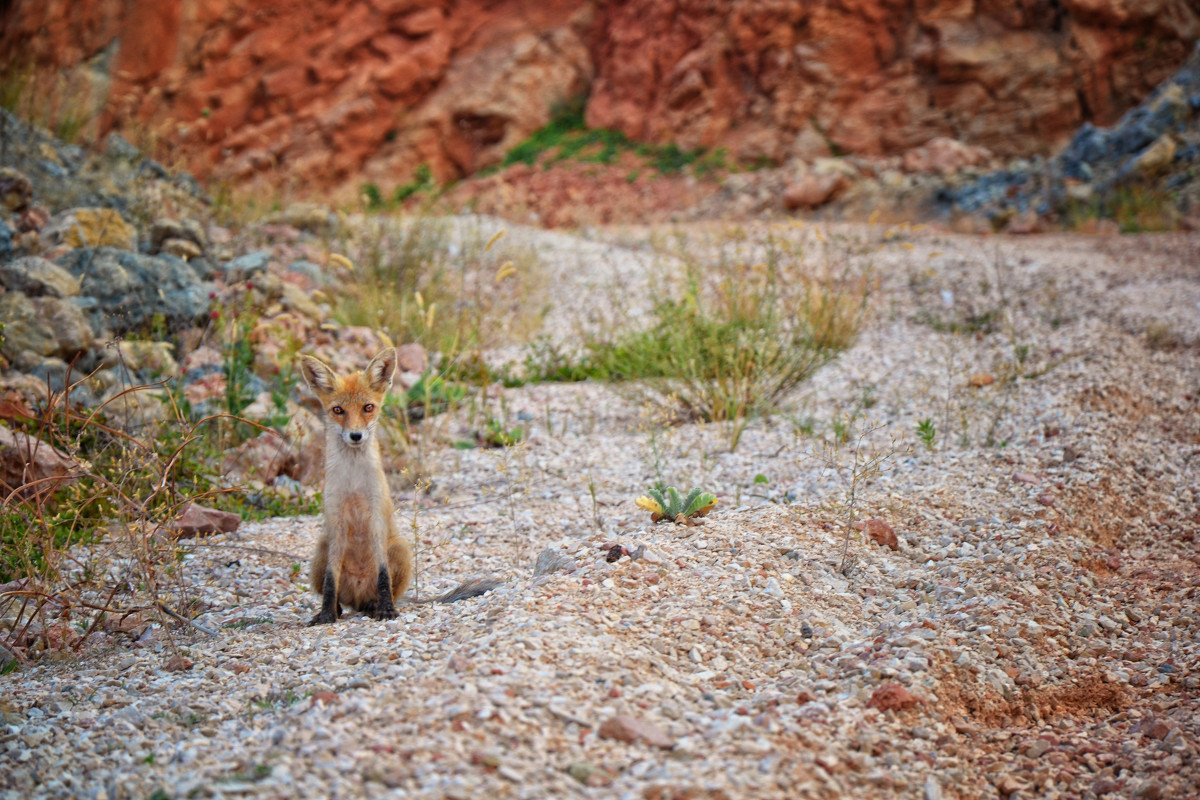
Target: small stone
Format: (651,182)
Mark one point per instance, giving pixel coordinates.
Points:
(981,379)
(932,791)
(178,663)
(1037,748)
(16,190)
(614,553)
(181,248)
(629,729)
(880,532)
(1150,790)
(197,520)
(1046,499)
(1024,477)
(892,696)
(550,560)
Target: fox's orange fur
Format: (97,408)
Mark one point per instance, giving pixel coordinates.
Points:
(361,561)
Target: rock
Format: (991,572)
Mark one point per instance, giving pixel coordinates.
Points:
(892,696)
(263,458)
(981,379)
(133,289)
(25,459)
(24,329)
(1037,748)
(133,411)
(247,266)
(631,730)
(411,357)
(178,663)
(188,230)
(196,520)
(812,190)
(150,359)
(68,324)
(16,190)
(932,790)
(1150,790)
(945,156)
(90,227)
(1156,158)
(181,248)
(36,277)
(551,560)
(880,532)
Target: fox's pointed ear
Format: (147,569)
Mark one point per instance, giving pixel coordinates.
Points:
(317,374)
(382,369)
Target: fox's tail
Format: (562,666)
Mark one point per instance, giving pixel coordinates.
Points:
(471,588)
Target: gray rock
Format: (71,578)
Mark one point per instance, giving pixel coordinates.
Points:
(551,560)
(37,277)
(132,288)
(247,266)
(6,241)
(118,147)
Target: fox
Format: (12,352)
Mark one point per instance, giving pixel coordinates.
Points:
(361,561)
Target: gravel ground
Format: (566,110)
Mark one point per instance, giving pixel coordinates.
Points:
(1034,634)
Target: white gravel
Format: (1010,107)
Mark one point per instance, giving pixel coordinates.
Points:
(1041,607)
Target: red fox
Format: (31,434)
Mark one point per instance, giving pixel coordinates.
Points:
(361,560)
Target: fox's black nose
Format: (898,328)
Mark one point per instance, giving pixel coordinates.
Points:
(356,437)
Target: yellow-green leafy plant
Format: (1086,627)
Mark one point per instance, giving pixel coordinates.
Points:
(669,504)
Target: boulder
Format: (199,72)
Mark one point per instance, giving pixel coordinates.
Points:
(197,520)
(25,459)
(24,329)
(36,277)
(90,227)
(185,230)
(132,288)
(812,190)
(67,323)
(16,190)
(263,458)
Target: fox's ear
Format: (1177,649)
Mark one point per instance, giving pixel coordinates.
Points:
(317,374)
(382,369)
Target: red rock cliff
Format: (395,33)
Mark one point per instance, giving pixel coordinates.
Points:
(333,94)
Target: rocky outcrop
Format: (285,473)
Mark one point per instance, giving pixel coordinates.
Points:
(1150,153)
(334,94)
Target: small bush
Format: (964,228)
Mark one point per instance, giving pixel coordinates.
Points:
(736,338)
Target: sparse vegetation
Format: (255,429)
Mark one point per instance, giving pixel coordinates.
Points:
(667,503)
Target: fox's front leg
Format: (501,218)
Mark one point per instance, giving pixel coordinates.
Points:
(385,608)
(330,608)
(325,569)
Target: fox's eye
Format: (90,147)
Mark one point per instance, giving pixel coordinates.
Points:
(337,410)
(368,408)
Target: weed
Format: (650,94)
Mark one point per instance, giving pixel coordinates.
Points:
(668,504)
(856,461)
(737,337)
(927,432)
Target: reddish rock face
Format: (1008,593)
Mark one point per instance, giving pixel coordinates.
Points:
(310,96)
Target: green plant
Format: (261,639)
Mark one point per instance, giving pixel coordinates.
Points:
(927,432)
(497,434)
(422,181)
(738,337)
(857,461)
(668,504)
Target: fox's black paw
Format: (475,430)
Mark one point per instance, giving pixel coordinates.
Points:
(324,618)
(385,612)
